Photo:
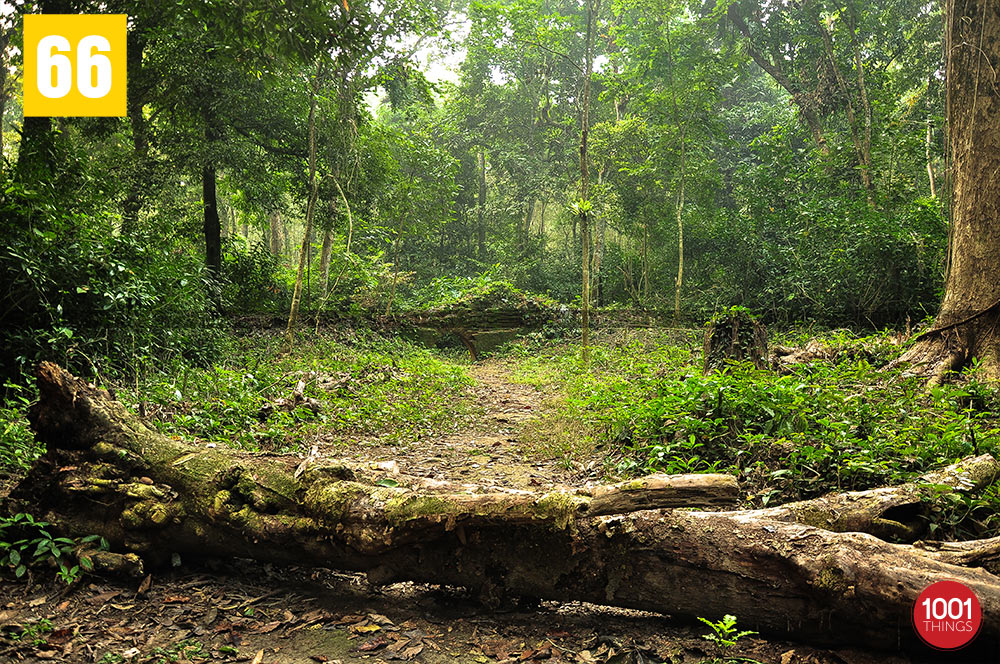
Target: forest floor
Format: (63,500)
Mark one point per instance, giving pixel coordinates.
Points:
(245,611)
(498,447)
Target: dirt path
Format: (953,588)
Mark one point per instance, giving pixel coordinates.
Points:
(494,450)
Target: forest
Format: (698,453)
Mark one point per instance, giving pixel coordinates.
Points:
(591,331)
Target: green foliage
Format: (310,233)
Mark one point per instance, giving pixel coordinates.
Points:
(824,426)
(75,293)
(483,291)
(25,542)
(186,650)
(33,634)
(367,385)
(250,279)
(18,448)
(724,633)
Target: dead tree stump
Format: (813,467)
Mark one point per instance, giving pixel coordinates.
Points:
(735,336)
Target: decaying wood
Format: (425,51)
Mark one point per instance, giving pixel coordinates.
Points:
(297,399)
(105,472)
(735,337)
(483,320)
(977,553)
(896,512)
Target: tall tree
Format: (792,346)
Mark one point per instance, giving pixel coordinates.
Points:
(968,323)
(584,206)
(310,210)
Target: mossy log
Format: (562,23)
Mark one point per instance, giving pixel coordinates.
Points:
(105,472)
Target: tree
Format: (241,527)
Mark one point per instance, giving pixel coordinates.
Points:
(310,210)
(584,206)
(966,326)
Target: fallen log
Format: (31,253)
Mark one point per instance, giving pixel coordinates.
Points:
(105,472)
(899,512)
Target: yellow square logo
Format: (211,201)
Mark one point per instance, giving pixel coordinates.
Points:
(74,64)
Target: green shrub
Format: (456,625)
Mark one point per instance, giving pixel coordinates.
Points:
(250,279)
(825,426)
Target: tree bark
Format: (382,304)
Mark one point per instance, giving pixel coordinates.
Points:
(140,177)
(900,513)
(211,227)
(276,241)
(862,148)
(928,145)
(324,261)
(350,235)
(966,326)
(773,67)
(6,32)
(106,473)
(679,282)
(592,8)
(866,107)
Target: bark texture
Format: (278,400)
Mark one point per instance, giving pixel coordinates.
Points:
(966,326)
(105,472)
(211,228)
(734,336)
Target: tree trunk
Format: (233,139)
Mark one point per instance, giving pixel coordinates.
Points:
(966,326)
(773,67)
(928,144)
(36,154)
(528,216)
(481,207)
(274,228)
(596,279)
(644,277)
(863,155)
(541,230)
(36,151)
(866,107)
(395,263)
(734,337)
(106,473)
(293,312)
(6,31)
(324,260)
(592,8)
(140,176)
(350,235)
(211,227)
(680,236)
(898,513)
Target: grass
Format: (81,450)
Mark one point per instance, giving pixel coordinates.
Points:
(367,385)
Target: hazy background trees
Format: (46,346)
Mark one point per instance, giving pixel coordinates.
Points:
(788,158)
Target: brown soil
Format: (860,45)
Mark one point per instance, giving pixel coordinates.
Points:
(284,616)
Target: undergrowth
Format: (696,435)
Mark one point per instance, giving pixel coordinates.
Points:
(643,401)
(366,384)
(825,426)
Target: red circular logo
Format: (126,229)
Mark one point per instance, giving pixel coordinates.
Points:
(947,615)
